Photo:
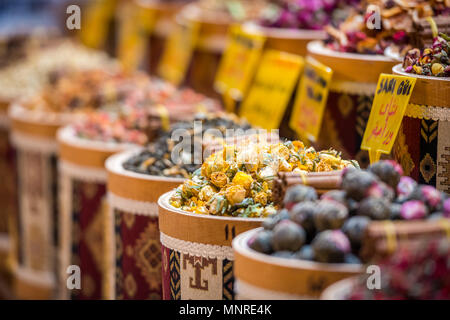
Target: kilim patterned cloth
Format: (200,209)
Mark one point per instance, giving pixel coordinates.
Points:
(8,200)
(87,237)
(138,257)
(188,277)
(423,149)
(343,125)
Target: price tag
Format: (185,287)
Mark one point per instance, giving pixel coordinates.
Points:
(389,105)
(272,89)
(238,63)
(311,100)
(178,51)
(136,24)
(94,28)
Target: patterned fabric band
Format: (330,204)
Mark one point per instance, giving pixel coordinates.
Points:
(29,143)
(82,173)
(197,249)
(428,112)
(132,206)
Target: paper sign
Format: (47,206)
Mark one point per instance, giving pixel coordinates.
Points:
(135,27)
(239,62)
(311,100)
(272,88)
(95,22)
(389,105)
(178,52)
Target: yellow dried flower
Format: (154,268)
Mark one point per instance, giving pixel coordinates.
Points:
(206,193)
(235,194)
(261,197)
(219,179)
(243,179)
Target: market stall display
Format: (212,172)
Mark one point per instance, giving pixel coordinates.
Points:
(406,267)
(422,146)
(84,147)
(136,179)
(34,124)
(230,194)
(371,41)
(314,243)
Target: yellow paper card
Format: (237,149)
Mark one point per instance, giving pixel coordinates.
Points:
(306,118)
(272,88)
(178,52)
(389,105)
(239,61)
(135,27)
(95,22)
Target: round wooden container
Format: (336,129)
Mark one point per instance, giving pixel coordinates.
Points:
(82,185)
(355,77)
(164,24)
(422,146)
(339,290)
(33,136)
(263,277)
(197,258)
(288,40)
(133,249)
(7,189)
(210,46)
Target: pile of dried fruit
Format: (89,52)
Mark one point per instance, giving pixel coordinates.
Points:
(330,230)
(157,159)
(237,181)
(433,61)
(83,90)
(28,77)
(306,14)
(390,26)
(140,114)
(419,272)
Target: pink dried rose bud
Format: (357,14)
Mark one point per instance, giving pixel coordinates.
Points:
(413,210)
(406,186)
(432,196)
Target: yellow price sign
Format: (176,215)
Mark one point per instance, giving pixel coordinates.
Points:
(136,24)
(238,63)
(94,28)
(311,100)
(272,89)
(389,105)
(178,51)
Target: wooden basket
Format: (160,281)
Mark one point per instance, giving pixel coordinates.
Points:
(33,136)
(33,285)
(133,249)
(82,182)
(263,277)
(288,40)
(339,290)
(355,77)
(164,24)
(210,45)
(422,146)
(197,257)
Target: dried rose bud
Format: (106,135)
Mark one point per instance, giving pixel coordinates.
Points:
(437,68)
(406,186)
(447,208)
(414,209)
(431,196)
